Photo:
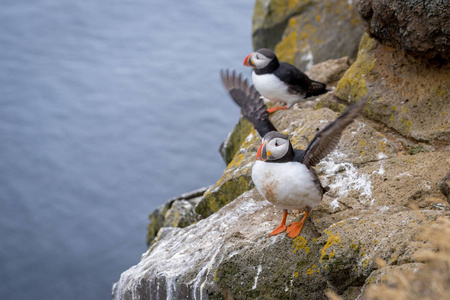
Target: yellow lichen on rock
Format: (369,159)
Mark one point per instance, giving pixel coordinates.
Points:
(332,239)
(353,83)
(294,41)
(405,93)
(285,49)
(314,33)
(310,271)
(299,243)
(268,13)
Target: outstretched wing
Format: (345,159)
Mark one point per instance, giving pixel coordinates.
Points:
(249,100)
(327,139)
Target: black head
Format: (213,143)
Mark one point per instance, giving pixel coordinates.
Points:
(262,60)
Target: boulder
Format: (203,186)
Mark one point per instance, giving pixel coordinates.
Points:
(270,19)
(330,71)
(181,213)
(420,28)
(176,212)
(407,94)
(324,30)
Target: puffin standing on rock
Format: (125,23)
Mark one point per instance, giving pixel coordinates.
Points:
(285,176)
(280,81)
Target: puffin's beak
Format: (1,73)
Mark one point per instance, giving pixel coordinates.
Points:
(248,60)
(261,154)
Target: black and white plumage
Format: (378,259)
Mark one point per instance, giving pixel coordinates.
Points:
(283,175)
(280,81)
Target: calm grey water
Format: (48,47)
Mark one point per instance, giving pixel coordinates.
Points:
(107,109)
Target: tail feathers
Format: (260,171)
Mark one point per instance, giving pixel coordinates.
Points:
(316,88)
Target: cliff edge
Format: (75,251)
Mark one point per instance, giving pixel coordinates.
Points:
(382,230)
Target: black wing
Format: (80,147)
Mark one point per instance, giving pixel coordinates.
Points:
(297,81)
(249,100)
(327,139)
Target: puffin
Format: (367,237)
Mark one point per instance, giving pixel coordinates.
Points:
(280,81)
(285,176)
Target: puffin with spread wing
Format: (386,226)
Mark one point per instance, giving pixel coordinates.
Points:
(285,176)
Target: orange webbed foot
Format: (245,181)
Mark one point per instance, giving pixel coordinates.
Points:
(279,230)
(282,226)
(295,228)
(275,108)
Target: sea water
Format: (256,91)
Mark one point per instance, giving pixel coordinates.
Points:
(107,109)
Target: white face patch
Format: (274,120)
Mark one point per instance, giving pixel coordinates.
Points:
(260,61)
(277,148)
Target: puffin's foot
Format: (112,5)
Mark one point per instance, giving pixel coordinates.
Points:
(282,226)
(278,230)
(275,108)
(295,228)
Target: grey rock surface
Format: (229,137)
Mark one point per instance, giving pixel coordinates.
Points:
(419,27)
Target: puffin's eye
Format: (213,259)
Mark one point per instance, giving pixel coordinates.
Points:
(276,144)
(257,57)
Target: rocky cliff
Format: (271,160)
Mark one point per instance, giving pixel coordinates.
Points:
(386,215)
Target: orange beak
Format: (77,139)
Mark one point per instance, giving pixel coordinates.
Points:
(261,154)
(248,60)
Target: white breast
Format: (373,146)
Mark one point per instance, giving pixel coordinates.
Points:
(287,185)
(269,86)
